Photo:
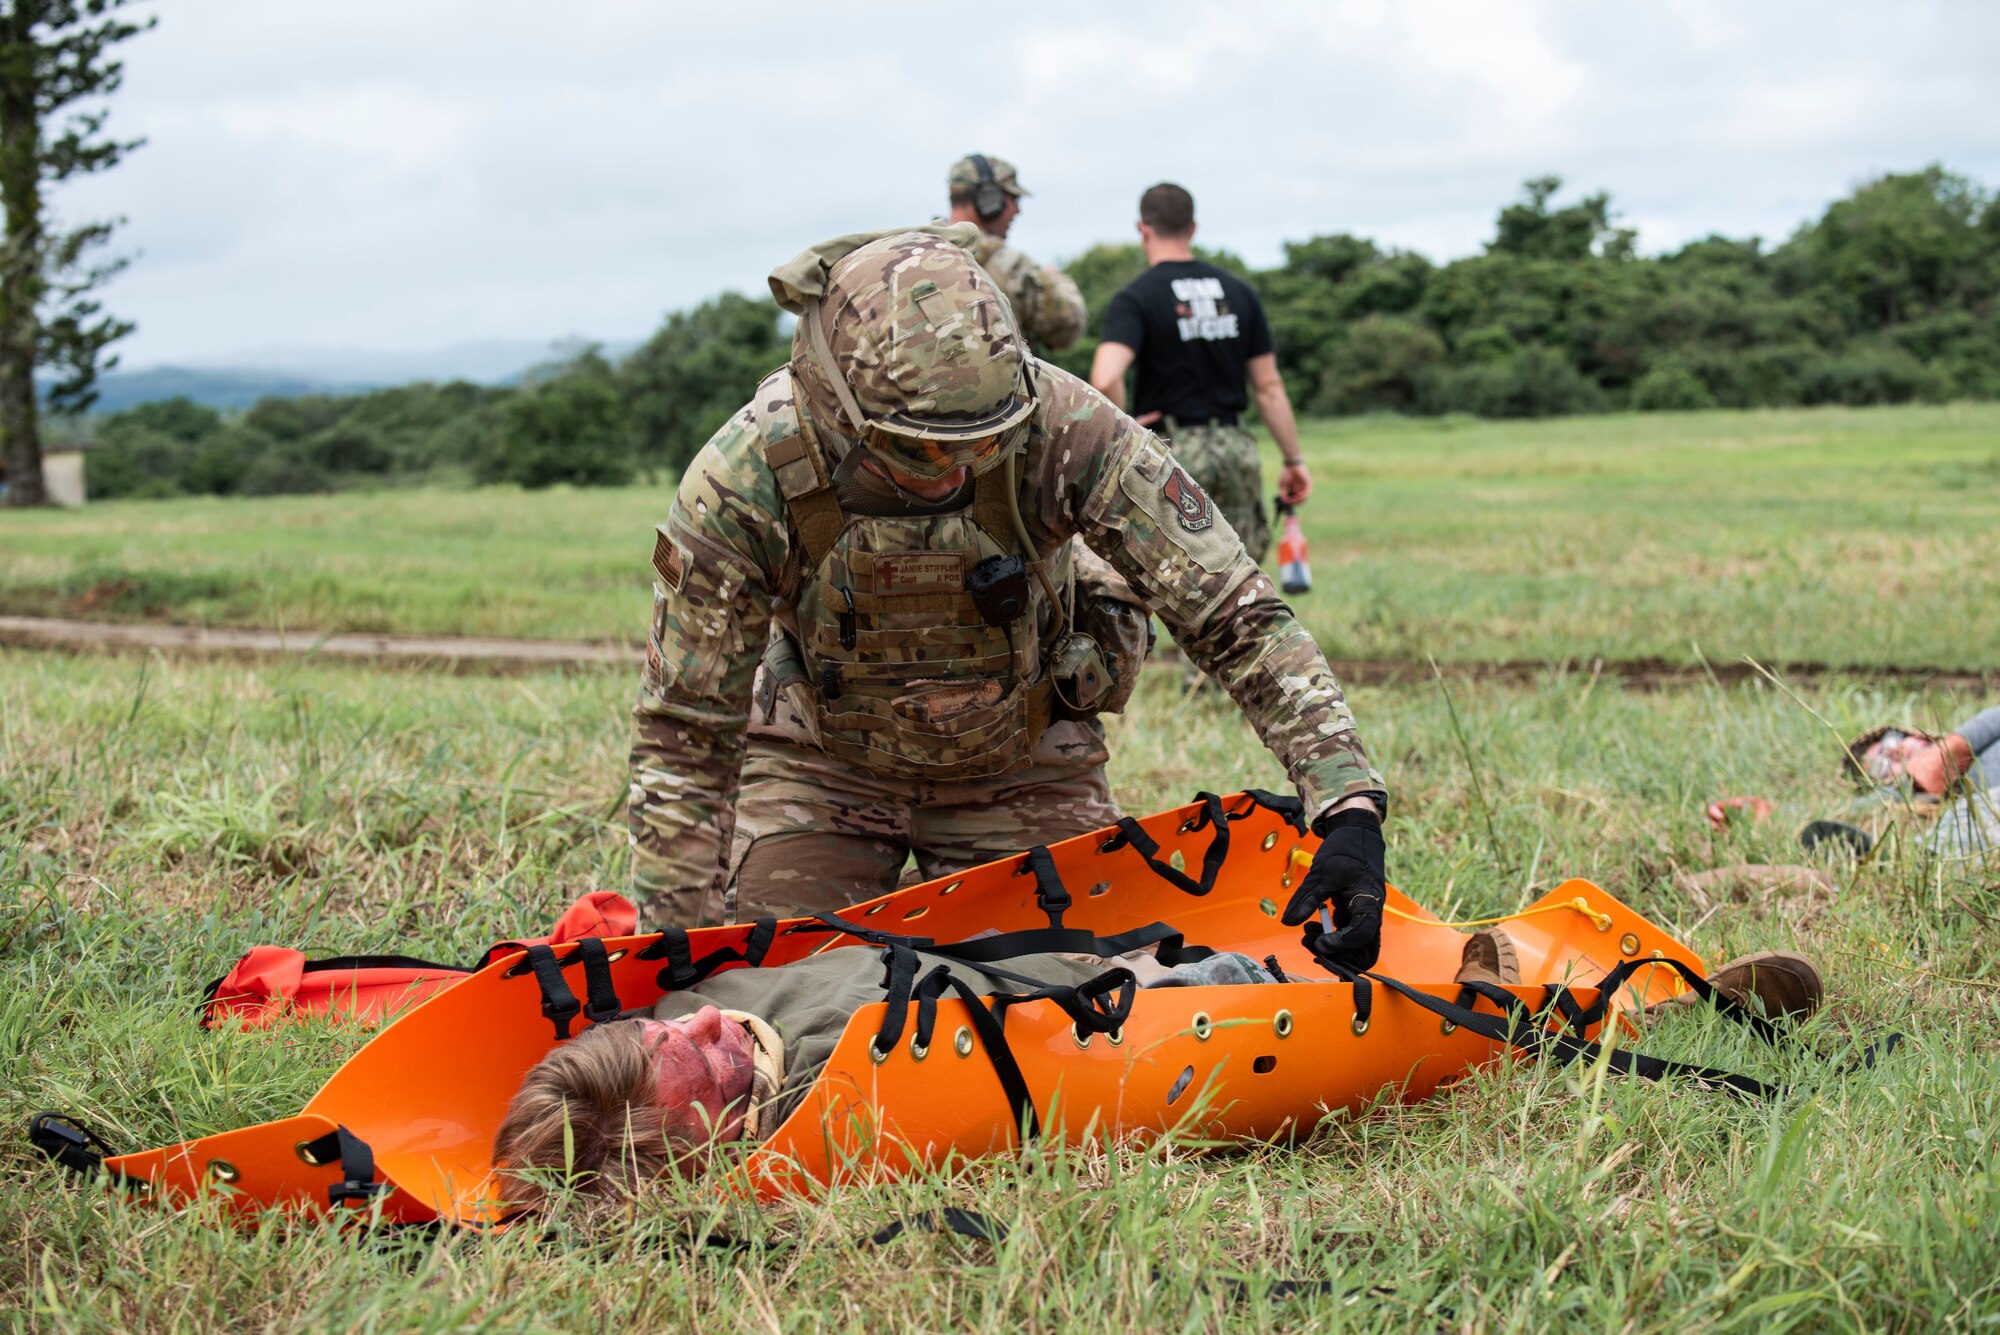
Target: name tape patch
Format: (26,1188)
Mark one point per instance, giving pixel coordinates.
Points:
(919,572)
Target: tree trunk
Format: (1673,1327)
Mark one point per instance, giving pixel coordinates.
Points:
(20,273)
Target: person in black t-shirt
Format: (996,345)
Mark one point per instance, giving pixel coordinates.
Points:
(1197,334)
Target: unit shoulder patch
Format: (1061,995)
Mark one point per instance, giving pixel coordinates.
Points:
(1191,504)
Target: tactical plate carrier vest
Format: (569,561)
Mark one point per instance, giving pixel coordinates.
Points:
(906,670)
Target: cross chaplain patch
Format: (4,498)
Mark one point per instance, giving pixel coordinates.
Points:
(1189,501)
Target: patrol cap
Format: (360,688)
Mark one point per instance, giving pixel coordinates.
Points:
(964,175)
(914,345)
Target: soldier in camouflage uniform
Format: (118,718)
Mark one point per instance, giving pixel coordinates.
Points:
(986,193)
(898,501)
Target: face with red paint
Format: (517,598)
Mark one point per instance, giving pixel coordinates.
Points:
(703,1068)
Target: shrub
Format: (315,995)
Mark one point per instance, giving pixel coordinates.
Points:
(1534,382)
(1671,387)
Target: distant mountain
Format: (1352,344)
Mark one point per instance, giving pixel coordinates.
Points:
(241,379)
(224,389)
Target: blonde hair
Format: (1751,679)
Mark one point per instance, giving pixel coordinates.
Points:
(587,1113)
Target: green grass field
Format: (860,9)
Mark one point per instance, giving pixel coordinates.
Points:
(158,817)
(1861,537)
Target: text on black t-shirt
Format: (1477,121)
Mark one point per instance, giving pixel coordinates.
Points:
(1194,329)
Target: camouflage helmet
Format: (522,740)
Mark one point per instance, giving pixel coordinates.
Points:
(911,349)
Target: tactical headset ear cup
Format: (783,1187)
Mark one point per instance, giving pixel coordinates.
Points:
(989,201)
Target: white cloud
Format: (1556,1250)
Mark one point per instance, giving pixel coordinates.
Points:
(386,174)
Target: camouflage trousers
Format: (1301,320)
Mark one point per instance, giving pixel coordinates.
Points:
(815,833)
(1223,461)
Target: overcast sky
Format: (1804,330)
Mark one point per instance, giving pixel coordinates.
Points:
(409,174)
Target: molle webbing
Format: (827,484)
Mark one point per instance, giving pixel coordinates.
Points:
(808,492)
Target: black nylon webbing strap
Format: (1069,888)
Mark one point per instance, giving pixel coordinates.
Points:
(603,1004)
(682,971)
(874,936)
(1050,892)
(898,982)
(951,1219)
(1520,1030)
(1211,862)
(986,1023)
(357,1166)
(67,1141)
(1291,808)
(559,1004)
(983,950)
(673,947)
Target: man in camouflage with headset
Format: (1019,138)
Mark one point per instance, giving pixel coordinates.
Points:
(986,192)
(899,501)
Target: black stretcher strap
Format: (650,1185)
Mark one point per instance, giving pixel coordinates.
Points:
(983,950)
(1211,813)
(1522,1029)
(68,1142)
(1098,1006)
(951,1219)
(683,971)
(357,1165)
(559,1005)
(603,1005)
(1050,892)
(1291,808)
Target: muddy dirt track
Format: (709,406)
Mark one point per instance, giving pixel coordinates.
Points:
(485,655)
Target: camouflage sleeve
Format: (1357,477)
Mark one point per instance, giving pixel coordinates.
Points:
(715,562)
(1137,507)
(1045,299)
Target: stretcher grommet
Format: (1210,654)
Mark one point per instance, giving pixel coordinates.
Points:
(869,913)
(222,1170)
(1202,1025)
(1281,1024)
(1116,1038)
(1270,841)
(1112,845)
(1447,1028)
(615,956)
(917,912)
(304,1150)
(1189,826)
(876,1054)
(1270,907)
(918,1051)
(1360,1026)
(1082,1039)
(1628,944)
(961,1042)
(1100,889)
(953,886)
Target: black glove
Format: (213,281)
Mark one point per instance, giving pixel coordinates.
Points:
(1347,873)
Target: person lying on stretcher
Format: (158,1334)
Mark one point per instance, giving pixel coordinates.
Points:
(626,1102)
(729,1060)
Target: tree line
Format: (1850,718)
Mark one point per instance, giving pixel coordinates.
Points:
(1891,296)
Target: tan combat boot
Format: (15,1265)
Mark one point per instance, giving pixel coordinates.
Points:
(1770,982)
(1489,958)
